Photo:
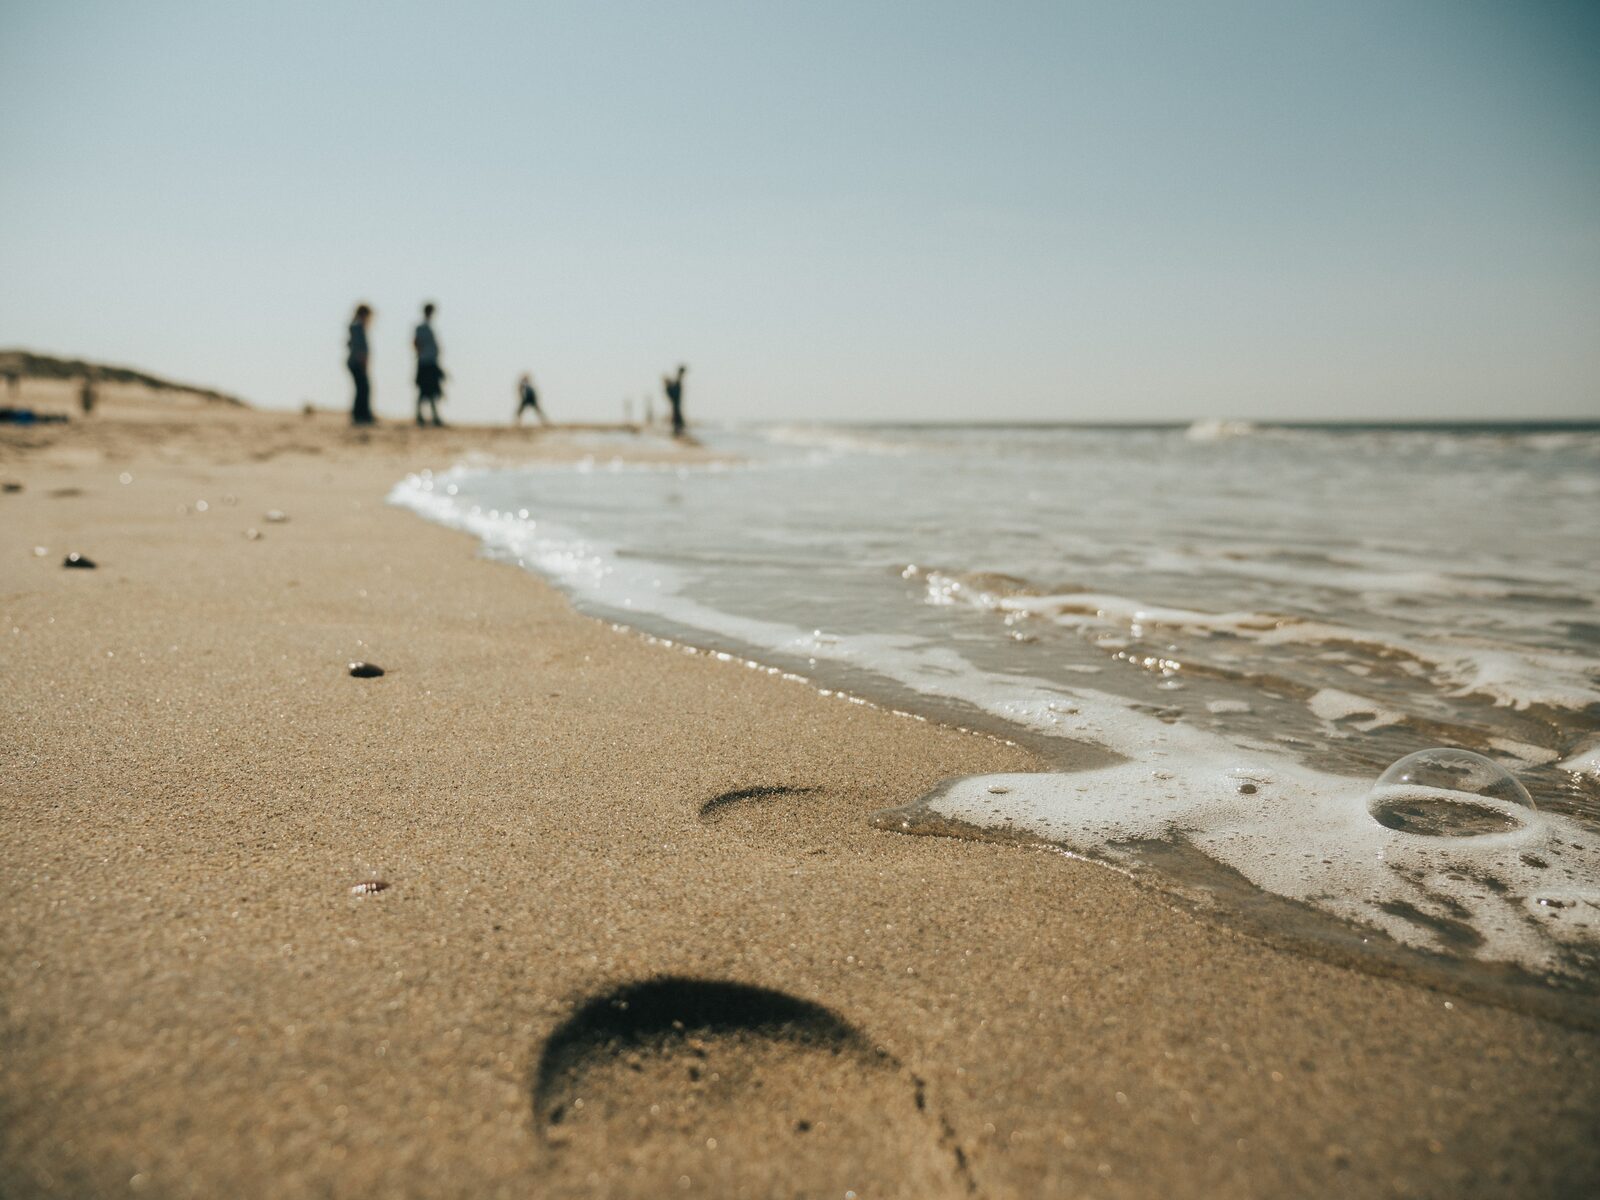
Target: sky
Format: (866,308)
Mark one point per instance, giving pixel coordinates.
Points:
(831,211)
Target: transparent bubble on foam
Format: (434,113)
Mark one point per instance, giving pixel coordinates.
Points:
(1444,852)
(1445,792)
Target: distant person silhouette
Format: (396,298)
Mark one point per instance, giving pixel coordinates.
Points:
(430,376)
(361,408)
(674,389)
(86,394)
(528,398)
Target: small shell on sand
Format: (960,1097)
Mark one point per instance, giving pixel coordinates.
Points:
(253,534)
(368,887)
(276,516)
(82,561)
(365,670)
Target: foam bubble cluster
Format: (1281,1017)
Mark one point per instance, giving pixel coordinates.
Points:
(1471,867)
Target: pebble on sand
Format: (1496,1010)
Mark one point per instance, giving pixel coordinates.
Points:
(75,559)
(276,516)
(368,886)
(365,670)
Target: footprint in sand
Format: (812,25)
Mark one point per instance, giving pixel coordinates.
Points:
(741,1091)
(719,806)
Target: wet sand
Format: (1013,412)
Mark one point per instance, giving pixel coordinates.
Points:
(638,937)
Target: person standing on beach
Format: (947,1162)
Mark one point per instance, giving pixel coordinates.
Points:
(430,376)
(361,409)
(674,389)
(528,398)
(86,394)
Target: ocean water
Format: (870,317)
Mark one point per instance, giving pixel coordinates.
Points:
(1221,636)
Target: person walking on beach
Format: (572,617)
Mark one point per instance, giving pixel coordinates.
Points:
(361,408)
(86,394)
(430,376)
(674,389)
(528,398)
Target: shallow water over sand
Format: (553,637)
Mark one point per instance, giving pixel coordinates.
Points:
(1295,609)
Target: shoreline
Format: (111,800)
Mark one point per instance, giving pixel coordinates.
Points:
(190,997)
(1558,990)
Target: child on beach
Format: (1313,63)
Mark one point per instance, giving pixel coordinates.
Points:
(528,398)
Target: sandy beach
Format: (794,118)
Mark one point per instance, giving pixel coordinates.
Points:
(637,937)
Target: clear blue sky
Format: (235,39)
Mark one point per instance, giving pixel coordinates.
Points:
(854,210)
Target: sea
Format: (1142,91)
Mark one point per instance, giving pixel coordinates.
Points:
(1336,685)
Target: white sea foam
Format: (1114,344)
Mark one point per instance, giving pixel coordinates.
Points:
(1583,761)
(1311,837)
(834,438)
(1215,430)
(1331,704)
(1516,677)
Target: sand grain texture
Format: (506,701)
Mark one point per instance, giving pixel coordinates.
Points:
(194,1003)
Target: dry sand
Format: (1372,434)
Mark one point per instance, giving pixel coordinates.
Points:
(581,980)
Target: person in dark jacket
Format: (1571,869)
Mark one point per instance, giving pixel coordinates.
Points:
(356,360)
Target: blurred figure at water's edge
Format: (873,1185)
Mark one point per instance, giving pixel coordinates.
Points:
(430,376)
(528,398)
(673,384)
(356,360)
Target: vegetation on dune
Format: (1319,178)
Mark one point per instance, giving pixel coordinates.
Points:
(47,366)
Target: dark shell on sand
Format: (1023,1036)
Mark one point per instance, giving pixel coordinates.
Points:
(81,561)
(365,670)
(368,886)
